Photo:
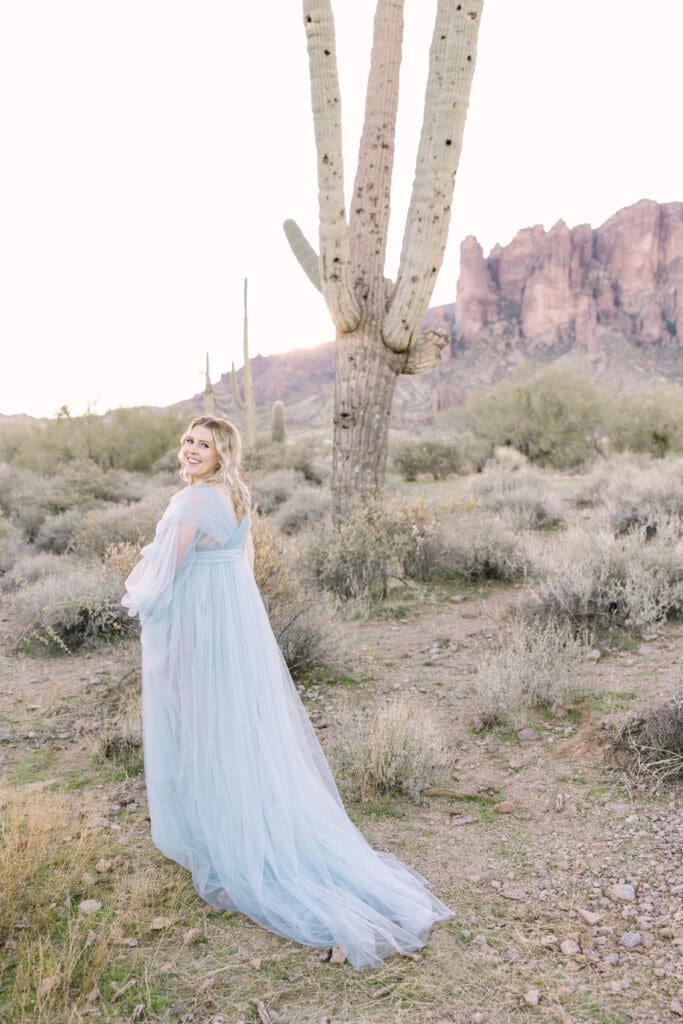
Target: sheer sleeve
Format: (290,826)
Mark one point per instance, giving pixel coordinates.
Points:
(149,587)
(249,550)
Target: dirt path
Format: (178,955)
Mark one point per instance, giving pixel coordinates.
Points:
(566,882)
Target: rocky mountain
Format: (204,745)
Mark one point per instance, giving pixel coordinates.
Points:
(608,300)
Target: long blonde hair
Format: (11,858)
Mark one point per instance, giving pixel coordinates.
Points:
(228,471)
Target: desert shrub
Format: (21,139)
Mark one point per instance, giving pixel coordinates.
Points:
(553,416)
(648,421)
(307,504)
(521,498)
(480,546)
(132,439)
(397,748)
(532,666)
(117,524)
(12,545)
(304,456)
(637,492)
(597,581)
(56,532)
(377,540)
(439,459)
(31,566)
(303,621)
(653,742)
(58,614)
(273,489)
(120,740)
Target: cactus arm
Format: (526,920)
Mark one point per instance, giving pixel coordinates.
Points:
(451,67)
(305,253)
(370,204)
(424,351)
(335,251)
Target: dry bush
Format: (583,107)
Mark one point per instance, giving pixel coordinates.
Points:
(272,490)
(12,546)
(303,620)
(438,459)
(395,749)
(377,540)
(116,524)
(120,740)
(56,532)
(637,492)
(30,567)
(533,666)
(507,459)
(480,546)
(653,743)
(520,496)
(60,614)
(119,561)
(305,456)
(597,581)
(307,504)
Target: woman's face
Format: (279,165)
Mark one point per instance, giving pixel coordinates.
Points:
(199,455)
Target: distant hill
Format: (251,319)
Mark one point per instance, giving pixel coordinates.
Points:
(608,301)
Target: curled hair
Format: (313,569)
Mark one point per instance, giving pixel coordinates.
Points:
(228,471)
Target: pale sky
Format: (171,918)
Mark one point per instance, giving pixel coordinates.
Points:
(152,148)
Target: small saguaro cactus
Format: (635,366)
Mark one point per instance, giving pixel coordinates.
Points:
(277,426)
(378,320)
(209,393)
(246,404)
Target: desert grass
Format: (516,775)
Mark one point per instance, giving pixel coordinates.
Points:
(533,666)
(397,748)
(653,742)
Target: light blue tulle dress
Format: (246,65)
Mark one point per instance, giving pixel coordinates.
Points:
(239,789)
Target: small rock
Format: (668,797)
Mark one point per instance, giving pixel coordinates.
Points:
(511,955)
(159,923)
(594,654)
(504,807)
(514,894)
(516,763)
(457,598)
(676,1007)
(531,997)
(564,992)
(569,947)
(612,959)
(622,891)
(255,962)
(338,955)
(527,735)
(477,1018)
(548,941)
(631,940)
(589,916)
(103,866)
(89,906)
(478,725)
(192,935)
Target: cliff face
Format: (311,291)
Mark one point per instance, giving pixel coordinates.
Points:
(547,292)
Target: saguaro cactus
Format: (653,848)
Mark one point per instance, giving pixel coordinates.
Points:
(209,394)
(246,404)
(378,321)
(277,426)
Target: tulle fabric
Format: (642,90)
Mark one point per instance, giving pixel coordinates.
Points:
(239,789)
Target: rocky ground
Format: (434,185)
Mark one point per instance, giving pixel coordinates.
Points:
(565,875)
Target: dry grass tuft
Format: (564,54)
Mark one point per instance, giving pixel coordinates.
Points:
(396,749)
(653,743)
(481,546)
(533,666)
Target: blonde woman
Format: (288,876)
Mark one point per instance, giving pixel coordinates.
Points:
(239,789)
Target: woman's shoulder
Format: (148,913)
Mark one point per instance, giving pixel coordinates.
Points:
(200,500)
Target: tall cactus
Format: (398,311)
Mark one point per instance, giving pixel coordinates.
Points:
(277,425)
(209,393)
(378,321)
(246,404)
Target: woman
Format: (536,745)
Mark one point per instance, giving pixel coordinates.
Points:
(239,789)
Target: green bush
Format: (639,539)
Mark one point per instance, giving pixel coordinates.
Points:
(649,421)
(554,416)
(131,439)
(439,459)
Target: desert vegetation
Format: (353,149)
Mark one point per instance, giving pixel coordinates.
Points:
(490,655)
